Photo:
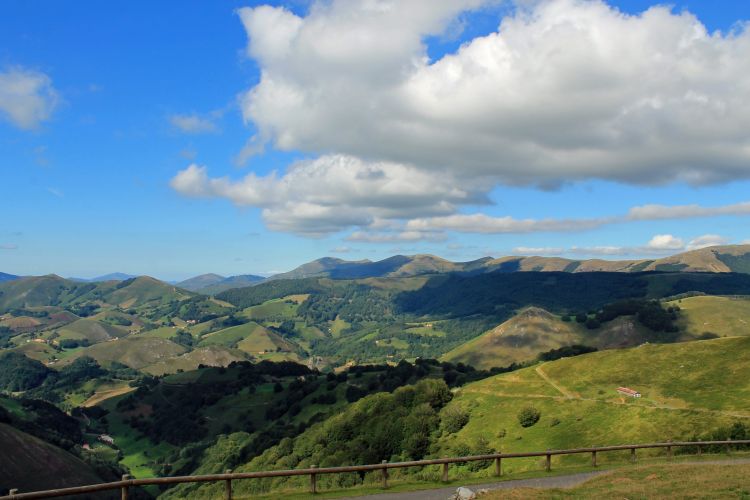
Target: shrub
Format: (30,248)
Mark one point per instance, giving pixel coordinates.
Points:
(529,416)
(453,419)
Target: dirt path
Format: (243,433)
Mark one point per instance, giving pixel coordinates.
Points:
(557,387)
(549,482)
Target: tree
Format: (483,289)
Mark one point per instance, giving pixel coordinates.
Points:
(529,416)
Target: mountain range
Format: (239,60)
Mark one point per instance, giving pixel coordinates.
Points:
(716,259)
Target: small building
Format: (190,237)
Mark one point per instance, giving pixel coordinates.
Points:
(106,439)
(626,391)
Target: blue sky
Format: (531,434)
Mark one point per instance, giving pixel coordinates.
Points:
(118,122)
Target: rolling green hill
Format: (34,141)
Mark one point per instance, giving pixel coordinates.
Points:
(213,355)
(136,352)
(90,330)
(521,338)
(723,316)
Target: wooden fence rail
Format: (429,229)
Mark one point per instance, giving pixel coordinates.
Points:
(314,471)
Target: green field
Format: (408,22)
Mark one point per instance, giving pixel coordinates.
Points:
(231,336)
(277,308)
(337,326)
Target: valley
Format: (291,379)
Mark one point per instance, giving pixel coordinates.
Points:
(306,366)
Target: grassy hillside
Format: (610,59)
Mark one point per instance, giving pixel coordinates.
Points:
(521,338)
(136,352)
(207,356)
(723,316)
(687,389)
(90,330)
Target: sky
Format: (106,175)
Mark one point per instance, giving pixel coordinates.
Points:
(182,137)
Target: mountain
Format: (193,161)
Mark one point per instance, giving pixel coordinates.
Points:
(113,277)
(396,266)
(211,284)
(717,259)
(201,281)
(8,277)
(239,281)
(105,277)
(52,290)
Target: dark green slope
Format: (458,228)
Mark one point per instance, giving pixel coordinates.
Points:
(30,464)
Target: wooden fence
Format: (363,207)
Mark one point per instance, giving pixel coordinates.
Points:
(313,471)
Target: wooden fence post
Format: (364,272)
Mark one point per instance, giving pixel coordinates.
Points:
(228,487)
(669,451)
(549,461)
(313,481)
(632,455)
(593,458)
(498,466)
(124,490)
(445,472)
(729,452)
(700,450)
(385,474)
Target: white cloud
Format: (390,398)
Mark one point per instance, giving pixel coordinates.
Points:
(481,223)
(55,192)
(390,237)
(194,123)
(538,251)
(8,246)
(563,90)
(27,97)
(333,192)
(665,242)
(601,250)
(707,240)
(656,212)
(343,249)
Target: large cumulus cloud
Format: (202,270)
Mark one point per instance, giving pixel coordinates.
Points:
(563,90)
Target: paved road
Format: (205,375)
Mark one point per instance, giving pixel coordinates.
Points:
(566,481)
